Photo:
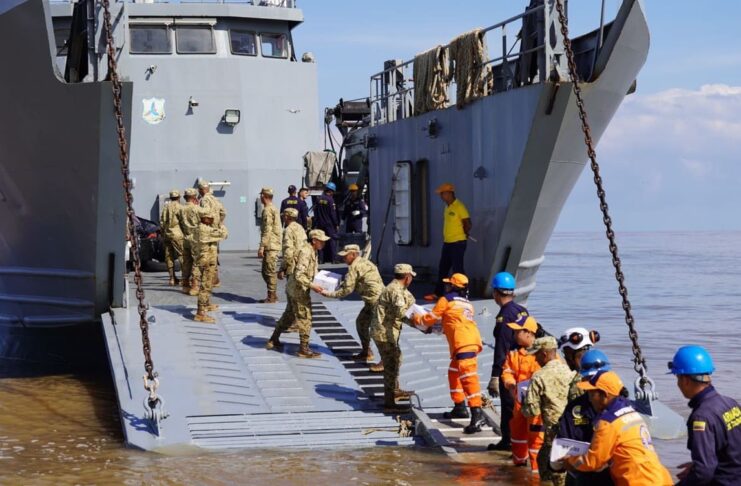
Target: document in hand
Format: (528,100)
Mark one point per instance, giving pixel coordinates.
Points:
(327,280)
(414,309)
(522,390)
(562,448)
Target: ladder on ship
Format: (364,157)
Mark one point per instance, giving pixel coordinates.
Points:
(447,435)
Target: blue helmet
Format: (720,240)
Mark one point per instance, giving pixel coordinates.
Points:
(503,281)
(691,360)
(331,186)
(593,362)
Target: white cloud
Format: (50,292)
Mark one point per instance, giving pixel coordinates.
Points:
(667,156)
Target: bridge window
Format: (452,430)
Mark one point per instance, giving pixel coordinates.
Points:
(150,39)
(243,43)
(61,34)
(274,45)
(195,39)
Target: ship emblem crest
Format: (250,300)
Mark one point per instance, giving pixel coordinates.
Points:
(154,110)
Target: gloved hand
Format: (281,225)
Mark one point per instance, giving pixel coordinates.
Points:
(493,387)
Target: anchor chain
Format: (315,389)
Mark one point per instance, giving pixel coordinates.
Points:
(639,362)
(150,378)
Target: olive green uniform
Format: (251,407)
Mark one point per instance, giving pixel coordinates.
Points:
(172,234)
(206,238)
(298,307)
(294,236)
(387,318)
(363,278)
(547,396)
(189,219)
(271,233)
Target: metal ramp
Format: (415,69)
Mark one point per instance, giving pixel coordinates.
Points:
(223,390)
(447,434)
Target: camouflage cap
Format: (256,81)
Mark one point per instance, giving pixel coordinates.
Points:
(267,191)
(203,184)
(547,342)
(291,212)
(191,192)
(348,248)
(318,234)
(403,269)
(174,193)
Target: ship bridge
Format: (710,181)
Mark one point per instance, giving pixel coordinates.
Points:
(220,93)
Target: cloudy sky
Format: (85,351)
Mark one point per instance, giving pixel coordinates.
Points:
(671,157)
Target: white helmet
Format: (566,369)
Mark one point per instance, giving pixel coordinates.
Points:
(577,338)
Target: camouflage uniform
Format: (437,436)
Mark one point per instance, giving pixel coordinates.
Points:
(547,396)
(172,233)
(206,238)
(270,242)
(298,308)
(189,220)
(362,277)
(213,206)
(294,237)
(386,322)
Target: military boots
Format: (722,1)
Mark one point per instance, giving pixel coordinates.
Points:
(304,351)
(274,342)
(272,298)
(477,421)
(201,316)
(364,355)
(195,288)
(459,411)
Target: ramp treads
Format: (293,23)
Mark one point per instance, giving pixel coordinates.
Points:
(448,435)
(295,430)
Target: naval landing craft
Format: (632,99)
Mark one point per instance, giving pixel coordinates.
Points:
(217,92)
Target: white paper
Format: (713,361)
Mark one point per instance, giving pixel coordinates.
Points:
(327,280)
(414,309)
(562,448)
(522,390)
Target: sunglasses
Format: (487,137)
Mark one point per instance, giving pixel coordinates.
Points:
(576,338)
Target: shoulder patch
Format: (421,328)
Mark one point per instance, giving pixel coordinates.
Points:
(698,426)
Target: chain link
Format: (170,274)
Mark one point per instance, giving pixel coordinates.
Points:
(639,362)
(130,216)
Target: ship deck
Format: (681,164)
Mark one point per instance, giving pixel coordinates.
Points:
(224,390)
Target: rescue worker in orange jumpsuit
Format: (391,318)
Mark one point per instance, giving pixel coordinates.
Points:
(527,434)
(621,440)
(464,342)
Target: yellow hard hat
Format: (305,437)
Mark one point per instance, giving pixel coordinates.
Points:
(352,187)
(447,187)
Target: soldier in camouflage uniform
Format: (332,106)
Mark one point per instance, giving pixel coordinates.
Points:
(294,236)
(363,278)
(171,233)
(213,205)
(298,307)
(189,219)
(547,396)
(207,236)
(387,319)
(271,233)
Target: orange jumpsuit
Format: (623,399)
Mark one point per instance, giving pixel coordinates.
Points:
(622,442)
(464,342)
(527,434)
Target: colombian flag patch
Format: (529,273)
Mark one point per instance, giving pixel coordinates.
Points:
(698,426)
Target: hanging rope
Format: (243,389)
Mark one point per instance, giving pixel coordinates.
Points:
(468,53)
(151,381)
(639,362)
(431,80)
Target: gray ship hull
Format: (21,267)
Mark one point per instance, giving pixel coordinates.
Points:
(61,203)
(513,156)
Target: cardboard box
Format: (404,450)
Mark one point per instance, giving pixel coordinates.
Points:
(327,280)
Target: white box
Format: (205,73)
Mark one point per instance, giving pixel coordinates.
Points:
(562,448)
(522,390)
(415,309)
(327,280)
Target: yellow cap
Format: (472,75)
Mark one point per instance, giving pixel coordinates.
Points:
(607,381)
(457,280)
(352,187)
(527,323)
(447,187)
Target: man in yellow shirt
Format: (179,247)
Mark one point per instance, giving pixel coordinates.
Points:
(456,228)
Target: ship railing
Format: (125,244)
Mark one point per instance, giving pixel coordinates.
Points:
(517,64)
(258,3)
